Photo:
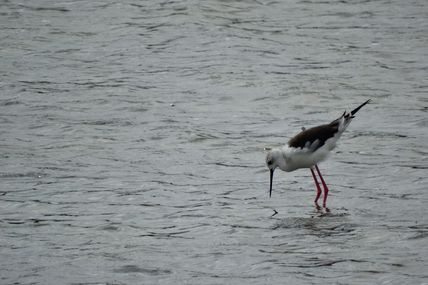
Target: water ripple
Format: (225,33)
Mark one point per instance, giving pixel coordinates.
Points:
(133,136)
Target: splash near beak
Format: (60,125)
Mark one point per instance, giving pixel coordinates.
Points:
(271,179)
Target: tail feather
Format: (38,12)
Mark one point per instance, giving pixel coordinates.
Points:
(359,107)
(344,120)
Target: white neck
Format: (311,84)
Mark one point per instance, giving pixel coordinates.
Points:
(280,159)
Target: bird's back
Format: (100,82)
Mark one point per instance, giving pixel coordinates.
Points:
(318,135)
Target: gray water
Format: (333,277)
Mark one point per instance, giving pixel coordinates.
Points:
(132,142)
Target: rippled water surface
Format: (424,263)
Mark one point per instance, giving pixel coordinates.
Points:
(132,142)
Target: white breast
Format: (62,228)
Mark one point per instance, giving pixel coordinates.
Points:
(307,157)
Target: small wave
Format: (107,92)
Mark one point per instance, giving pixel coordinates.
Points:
(137,269)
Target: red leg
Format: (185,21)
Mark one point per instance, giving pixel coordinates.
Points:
(324,185)
(317,185)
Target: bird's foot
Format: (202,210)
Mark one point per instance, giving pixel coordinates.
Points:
(324,205)
(321,211)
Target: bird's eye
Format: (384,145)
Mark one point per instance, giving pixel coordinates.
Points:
(269,162)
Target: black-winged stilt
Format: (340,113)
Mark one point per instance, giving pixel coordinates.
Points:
(308,148)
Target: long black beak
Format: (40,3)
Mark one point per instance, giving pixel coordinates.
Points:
(271,179)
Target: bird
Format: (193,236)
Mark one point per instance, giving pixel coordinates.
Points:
(308,148)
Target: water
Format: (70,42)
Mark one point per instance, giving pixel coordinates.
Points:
(132,137)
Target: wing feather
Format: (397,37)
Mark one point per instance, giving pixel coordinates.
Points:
(314,137)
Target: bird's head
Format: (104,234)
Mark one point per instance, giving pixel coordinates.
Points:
(274,158)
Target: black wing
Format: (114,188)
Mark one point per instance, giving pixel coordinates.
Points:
(322,133)
(308,137)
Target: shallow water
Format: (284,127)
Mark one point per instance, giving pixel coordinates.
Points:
(132,139)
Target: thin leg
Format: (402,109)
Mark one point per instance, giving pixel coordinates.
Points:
(317,185)
(324,185)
